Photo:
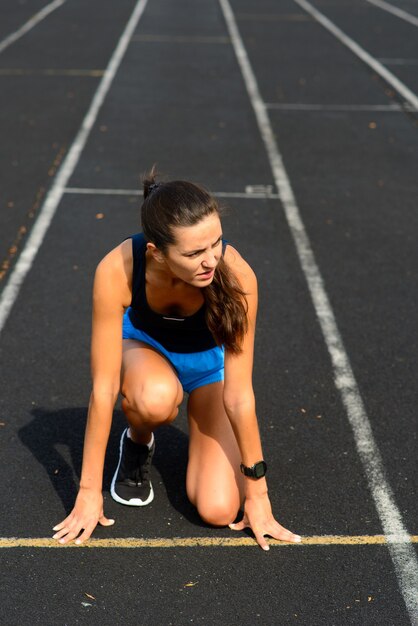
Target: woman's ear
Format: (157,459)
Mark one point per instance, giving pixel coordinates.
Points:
(156,254)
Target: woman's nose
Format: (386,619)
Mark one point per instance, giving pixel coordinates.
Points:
(209,260)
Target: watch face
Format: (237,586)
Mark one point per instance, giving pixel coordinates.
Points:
(260,469)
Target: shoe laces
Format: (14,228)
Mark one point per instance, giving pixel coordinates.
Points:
(137,461)
(143,466)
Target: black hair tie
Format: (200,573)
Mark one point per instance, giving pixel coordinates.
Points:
(153,187)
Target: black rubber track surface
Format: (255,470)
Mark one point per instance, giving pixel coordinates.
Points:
(179,99)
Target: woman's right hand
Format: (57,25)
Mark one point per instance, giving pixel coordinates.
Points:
(86,514)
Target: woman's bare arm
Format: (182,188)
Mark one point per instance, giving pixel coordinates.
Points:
(111,294)
(238,389)
(239,404)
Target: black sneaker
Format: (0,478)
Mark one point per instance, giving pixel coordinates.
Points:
(131,483)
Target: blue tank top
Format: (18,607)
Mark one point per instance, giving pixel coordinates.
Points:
(176,334)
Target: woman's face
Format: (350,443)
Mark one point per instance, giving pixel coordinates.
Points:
(196,251)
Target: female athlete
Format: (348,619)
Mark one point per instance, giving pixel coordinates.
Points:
(186,302)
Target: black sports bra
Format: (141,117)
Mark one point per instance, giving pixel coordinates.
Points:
(176,334)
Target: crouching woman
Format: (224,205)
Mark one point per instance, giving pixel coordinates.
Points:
(174,311)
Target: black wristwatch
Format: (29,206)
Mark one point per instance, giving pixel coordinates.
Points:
(258,470)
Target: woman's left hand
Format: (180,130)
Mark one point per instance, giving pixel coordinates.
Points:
(259,517)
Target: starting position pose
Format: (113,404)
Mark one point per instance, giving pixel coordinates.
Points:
(186,301)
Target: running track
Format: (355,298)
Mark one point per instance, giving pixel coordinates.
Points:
(302,118)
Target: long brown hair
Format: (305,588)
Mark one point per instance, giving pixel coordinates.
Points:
(181,203)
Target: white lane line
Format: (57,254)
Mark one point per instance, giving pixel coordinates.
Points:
(393,108)
(404,15)
(97,191)
(52,200)
(402,552)
(34,20)
(367,58)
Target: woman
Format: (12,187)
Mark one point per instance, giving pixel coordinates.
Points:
(187,302)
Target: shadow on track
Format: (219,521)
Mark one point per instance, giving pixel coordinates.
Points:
(55,438)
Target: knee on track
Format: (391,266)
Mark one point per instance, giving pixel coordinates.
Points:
(153,402)
(219,513)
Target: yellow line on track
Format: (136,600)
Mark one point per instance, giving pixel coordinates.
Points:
(192,542)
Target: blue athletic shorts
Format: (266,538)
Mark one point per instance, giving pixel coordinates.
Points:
(194,369)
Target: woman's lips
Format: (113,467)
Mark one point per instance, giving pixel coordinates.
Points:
(208,274)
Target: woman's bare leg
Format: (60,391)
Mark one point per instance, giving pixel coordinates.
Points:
(150,388)
(214,483)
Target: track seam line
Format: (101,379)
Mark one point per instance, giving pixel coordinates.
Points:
(397,61)
(367,58)
(389,8)
(401,550)
(27,26)
(295,106)
(197,39)
(54,195)
(95,73)
(138,192)
(191,542)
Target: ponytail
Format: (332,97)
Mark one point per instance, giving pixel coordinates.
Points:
(226,309)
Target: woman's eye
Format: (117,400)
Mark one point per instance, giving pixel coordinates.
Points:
(195,254)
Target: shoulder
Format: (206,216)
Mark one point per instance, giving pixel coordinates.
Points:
(113,276)
(117,262)
(240,268)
